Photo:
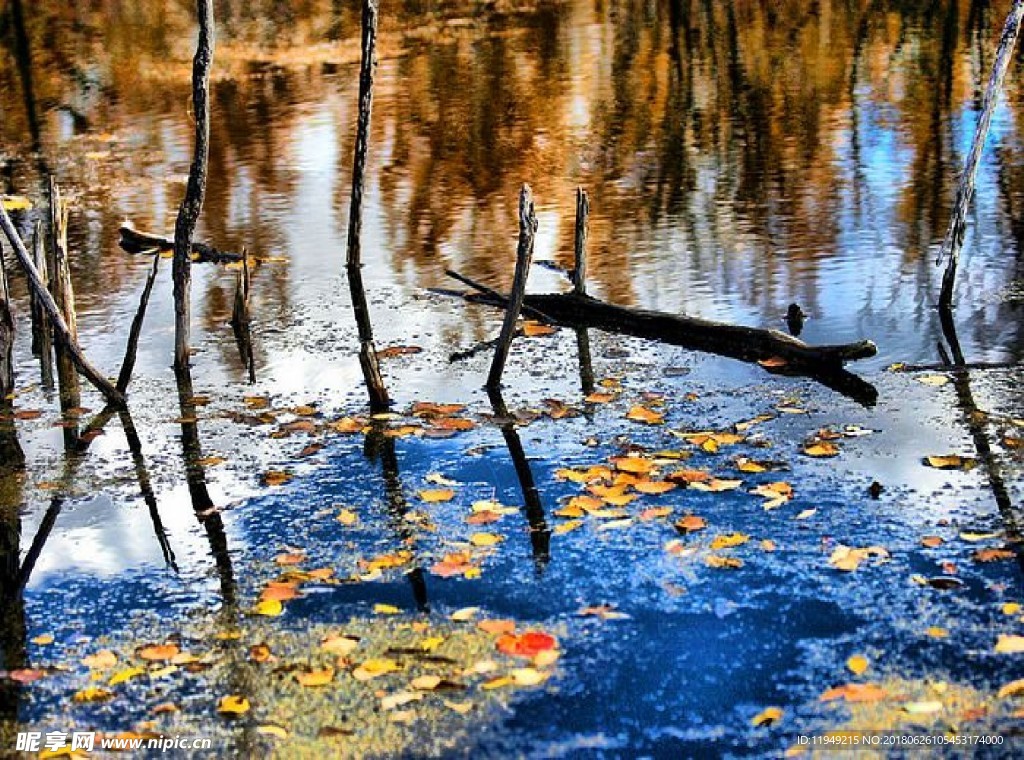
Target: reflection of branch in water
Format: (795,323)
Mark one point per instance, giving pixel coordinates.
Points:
(975,420)
(12,605)
(540,535)
(146,487)
(382,447)
(195,477)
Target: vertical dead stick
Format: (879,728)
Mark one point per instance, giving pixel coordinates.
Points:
(42,333)
(6,342)
(64,296)
(60,328)
(192,205)
(965,188)
(524,255)
(378,393)
(579,272)
(579,287)
(240,321)
(132,349)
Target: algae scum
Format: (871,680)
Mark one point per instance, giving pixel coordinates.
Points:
(667,553)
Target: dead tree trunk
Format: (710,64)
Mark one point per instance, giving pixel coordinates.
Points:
(64,296)
(378,393)
(60,328)
(42,333)
(965,188)
(524,255)
(188,214)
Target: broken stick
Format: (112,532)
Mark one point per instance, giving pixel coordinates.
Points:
(132,349)
(60,327)
(524,255)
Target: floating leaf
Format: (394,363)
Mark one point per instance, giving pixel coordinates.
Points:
(528,676)
(392,351)
(15,203)
(933,380)
(127,674)
(386,609)
(716,485)
(461,708)
(533,329)
(93,694)
(426,683)
(347,517)
(375,667)
(497,627)
(950,462)
(526,645)
(931,542)
(655,513)
(436,495)
(1011,608)
(566,527)
(725,563)
(993,555)
(320,677)
(233,704)
(729,540)
(259,653)
(269,729)
(497,683)
(767,716)
(1010,644)
(653,487)
(268,608)
(647,416)
(43,639)
(391,701)
(923,708)
(159,652)
(102,660)
(848,559)
(635,465)
(936,632)
(464,614)
(690,524)
(821,449)
(485,539)
(1012,689)
(857,664)
(339,644)
(276,477)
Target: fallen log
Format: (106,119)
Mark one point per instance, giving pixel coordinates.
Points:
(778,352)
(136,241)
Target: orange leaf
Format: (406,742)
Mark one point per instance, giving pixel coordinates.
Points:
(158,652)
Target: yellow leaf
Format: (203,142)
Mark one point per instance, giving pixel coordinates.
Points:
(460,707)
(767,716)
(643,414)
(716,485)
(729,540)
(728,563)
(950,462)
(386,609)
(435,495)
(466,613)
(485,539)
(316,677)
(431,643)
(1011,608)
(268,608)
(271,730)
(233,704)
(1010,644)
(857,664)
(566,527)
(93,694)
(634,465)
(125,675)
(16,203)
(347,517)
(43,639)
(821,449)
(375,667)
(936,632)
(933,380)
(923,708)
(536,329)
(528,676)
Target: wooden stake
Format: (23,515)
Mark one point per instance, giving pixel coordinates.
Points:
(60,327)
(579,272)
(6,342)
(192,205)
(240,322)
(965,188)
(64,296)
(132,349)
(524,255)
(42,333)
(375,387)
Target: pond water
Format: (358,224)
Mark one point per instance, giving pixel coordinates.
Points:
(739,157)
